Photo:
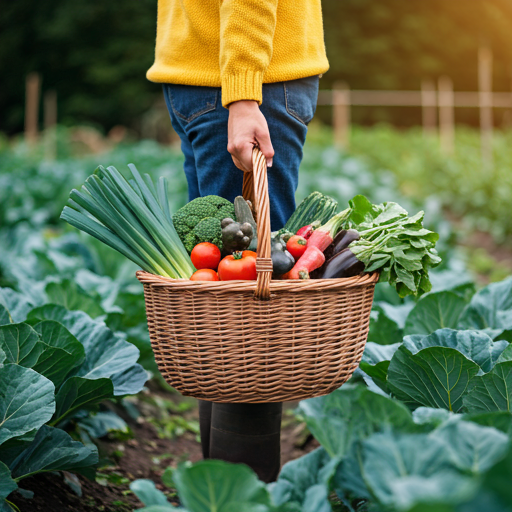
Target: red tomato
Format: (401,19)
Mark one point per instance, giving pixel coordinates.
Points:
(296,246)
(239,265)
(205,255)
(205,274)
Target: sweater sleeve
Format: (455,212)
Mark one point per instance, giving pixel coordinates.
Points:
(246,35)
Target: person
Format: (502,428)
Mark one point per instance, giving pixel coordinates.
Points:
(239,73)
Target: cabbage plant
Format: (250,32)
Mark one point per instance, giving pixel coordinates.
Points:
(53,364)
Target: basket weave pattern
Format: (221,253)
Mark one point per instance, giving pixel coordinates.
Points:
(258,341)
(226,346)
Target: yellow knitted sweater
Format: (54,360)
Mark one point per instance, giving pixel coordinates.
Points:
(238,44)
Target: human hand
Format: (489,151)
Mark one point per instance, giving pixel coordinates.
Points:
(247,127)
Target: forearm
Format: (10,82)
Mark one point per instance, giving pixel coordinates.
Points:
(246,35)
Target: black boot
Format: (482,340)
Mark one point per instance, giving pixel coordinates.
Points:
(249,434)
(205,419)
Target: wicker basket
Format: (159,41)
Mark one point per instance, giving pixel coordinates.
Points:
(258,341)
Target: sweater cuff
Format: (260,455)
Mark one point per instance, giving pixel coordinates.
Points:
(243,86)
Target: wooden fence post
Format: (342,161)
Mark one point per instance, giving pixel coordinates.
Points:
(446,115)
(50,121)
(341,114)
(429,107)
(507,115)
(50,109)
(33,83)
(485,100)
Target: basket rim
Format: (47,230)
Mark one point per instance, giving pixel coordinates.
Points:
(366,279)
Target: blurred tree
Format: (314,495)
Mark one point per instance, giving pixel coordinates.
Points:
(394,44)
(95,53)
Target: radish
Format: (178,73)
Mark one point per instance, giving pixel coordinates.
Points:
(307,231)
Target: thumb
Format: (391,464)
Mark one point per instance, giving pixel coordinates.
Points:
(266,147)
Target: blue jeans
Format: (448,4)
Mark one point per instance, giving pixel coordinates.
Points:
(201,121)
(243,433)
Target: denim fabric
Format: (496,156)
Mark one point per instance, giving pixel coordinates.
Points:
(201,121)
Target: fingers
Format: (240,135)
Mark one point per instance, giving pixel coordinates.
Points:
(237,148)
(266,146)
(245,157)
(240,158)
(237,163)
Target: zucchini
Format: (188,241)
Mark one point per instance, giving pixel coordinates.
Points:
(316,206)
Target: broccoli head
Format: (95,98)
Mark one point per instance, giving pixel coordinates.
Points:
(199,221)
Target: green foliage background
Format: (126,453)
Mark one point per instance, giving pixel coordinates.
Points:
(95,53)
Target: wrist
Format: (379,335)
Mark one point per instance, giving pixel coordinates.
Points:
(243,105)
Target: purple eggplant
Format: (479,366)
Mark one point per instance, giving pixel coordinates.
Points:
(341,241)
(343,264)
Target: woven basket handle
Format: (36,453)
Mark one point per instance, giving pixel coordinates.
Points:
(255,189)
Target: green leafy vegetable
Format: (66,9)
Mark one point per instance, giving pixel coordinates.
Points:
(102,423)
(16,304)
(490,308)
(401,471)
(5,318)
(19,343)
(491,392)
(431,416)
(475,345)
(78,392)
(387,321)
(375,362)
(27,401)
(302,479)
(52,450)
(60,353)
(351,413)
(498,480)
(7,484)
(472,448)
(70,295)
(433,377)
(108,369)
(216,485)
(435,311)
(147,492)
(394,243)
(500,420)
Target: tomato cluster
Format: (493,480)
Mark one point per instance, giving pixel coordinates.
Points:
(206,257)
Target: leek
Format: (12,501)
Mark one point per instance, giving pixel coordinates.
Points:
(131,216)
